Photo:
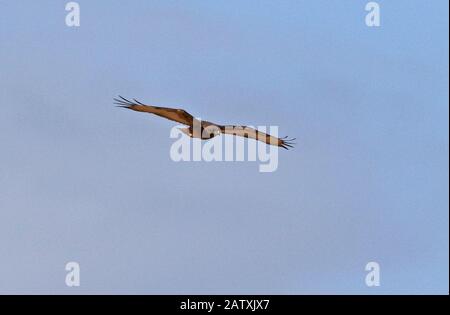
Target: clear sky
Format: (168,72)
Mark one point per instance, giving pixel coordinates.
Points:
(84,181)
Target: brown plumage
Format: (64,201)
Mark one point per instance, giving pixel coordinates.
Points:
(207,129)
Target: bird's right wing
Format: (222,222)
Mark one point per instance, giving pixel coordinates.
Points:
(251,133)
(179,115)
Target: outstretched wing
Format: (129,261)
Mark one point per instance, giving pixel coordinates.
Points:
(179,115)
(248,132)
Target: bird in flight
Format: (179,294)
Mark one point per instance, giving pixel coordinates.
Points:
(206,129)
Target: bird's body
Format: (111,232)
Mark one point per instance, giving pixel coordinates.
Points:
(203,129)
(206,130)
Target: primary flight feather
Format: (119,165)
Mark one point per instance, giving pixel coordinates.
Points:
(207,130)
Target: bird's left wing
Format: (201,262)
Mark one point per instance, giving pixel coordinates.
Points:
(179,115)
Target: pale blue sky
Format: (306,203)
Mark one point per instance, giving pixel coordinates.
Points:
(81,180)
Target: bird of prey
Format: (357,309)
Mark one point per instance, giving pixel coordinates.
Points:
(206,129)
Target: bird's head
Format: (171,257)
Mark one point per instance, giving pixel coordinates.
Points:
(211,132)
